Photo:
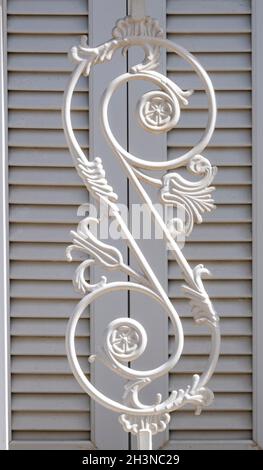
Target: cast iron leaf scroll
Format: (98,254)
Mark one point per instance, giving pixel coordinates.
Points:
(125,339)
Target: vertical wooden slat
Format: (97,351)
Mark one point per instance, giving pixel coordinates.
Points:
(106,431)
(152,317)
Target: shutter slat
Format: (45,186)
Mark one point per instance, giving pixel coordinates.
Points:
(202,345)
(53,421)
(38,384)
(208,23)
(29,62)
(222,137)
(49,7)
(63,177)
(42,177)
(43,138)
(45,100)
(43,289)
(209,42)
(229,327)
(47,24)
(66,195)
(61,232)
(193,251)
(225,401)
(45,120)
(68,214)
(54,440)
(217,437)
(222,61)
(38,43)
(43,270)
(226,306)
(57,214)
(228,156)
(228,288)
(52,403)
(226,99)
(38,345)
(220,270)
(227,364)
(190,119)
(48,365)
(47,196)
(188,364)
(236,420)
(60,158)
(55,327)
(47,308)
(197,118)
(221,80)
(62,308)
(208,7)
(216,251)
(43,81)
(218,383)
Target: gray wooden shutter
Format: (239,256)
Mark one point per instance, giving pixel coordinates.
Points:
(48,406)
(49,409)
(219,34)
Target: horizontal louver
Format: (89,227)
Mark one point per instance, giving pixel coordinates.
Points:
(45,191)
(219,34)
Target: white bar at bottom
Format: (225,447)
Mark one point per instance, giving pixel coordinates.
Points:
(145,440)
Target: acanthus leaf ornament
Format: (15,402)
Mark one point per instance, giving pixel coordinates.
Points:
(125,28)
(126,339)
(93,175)
(202,308)
(194,197)
(102,253)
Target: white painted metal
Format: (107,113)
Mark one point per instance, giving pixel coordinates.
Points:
(158,111)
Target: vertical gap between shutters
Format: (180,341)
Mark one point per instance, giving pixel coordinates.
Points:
(128,193)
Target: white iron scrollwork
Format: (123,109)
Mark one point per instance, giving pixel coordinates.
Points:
(125,339)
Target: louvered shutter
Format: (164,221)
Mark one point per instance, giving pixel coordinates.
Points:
(47,404)
(49,409)
(219,34)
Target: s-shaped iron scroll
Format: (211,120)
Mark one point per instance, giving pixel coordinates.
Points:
(126,339)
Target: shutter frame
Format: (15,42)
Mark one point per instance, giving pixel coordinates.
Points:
(4,248)
(257,145)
